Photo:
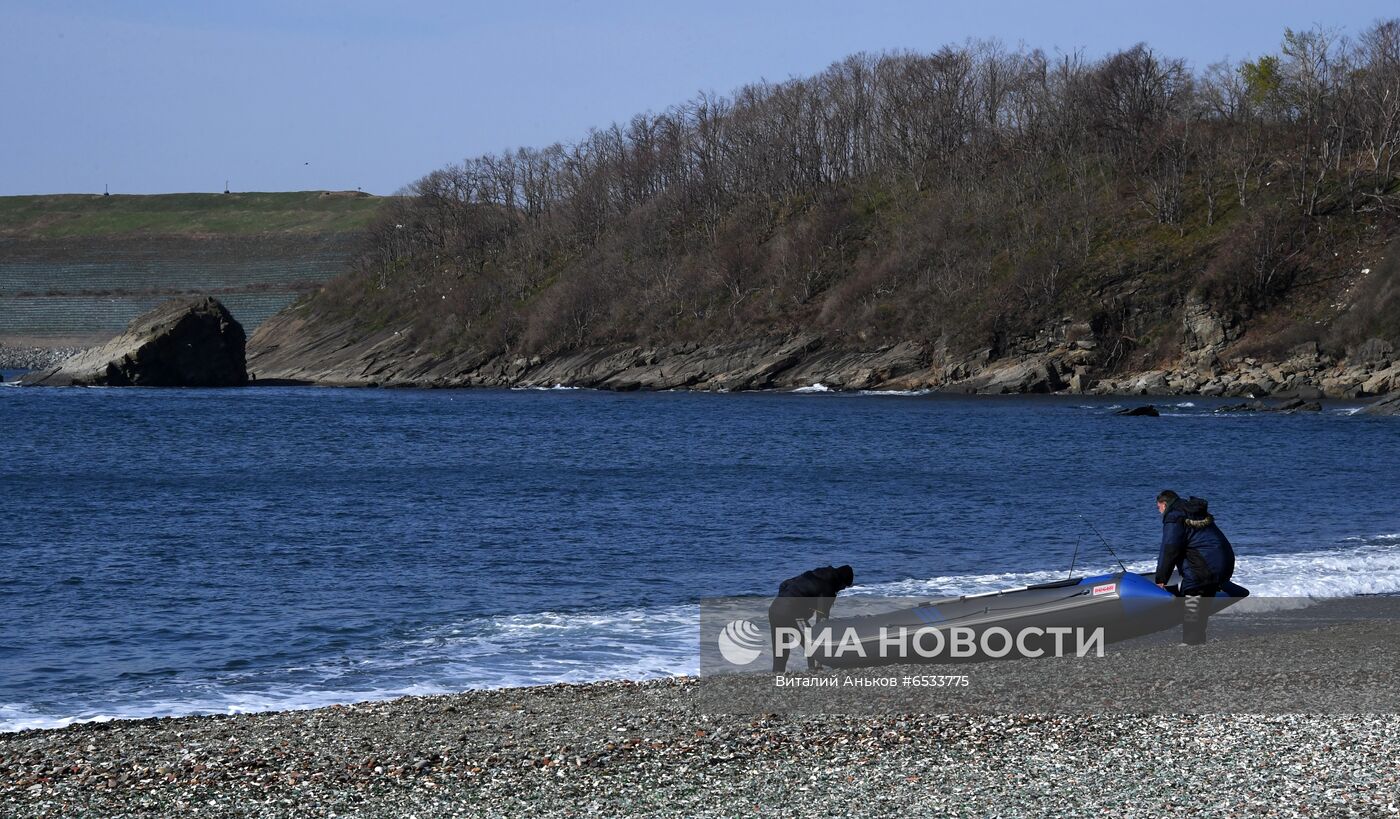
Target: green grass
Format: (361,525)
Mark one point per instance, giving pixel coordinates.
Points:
(73,216)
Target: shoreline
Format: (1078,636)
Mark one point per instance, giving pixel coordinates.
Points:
(292,350)
(1266,403)
(686,747)
(1002,378)
(1362,384)
(1068,358)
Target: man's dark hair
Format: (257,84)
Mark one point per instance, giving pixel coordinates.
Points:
(1167,496)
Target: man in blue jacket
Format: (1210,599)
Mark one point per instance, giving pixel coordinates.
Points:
(1193,545)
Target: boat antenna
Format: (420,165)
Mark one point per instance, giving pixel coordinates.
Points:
(1105,543)
(1074,557)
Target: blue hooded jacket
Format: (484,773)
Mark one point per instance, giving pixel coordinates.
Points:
(1194,545)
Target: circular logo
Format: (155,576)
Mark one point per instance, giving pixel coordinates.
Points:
(741,642)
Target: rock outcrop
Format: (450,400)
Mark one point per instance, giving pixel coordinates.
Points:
(187,342)
(1033,375)
(1389,405)
(1304,372)
(1067,357)
(1292,405)
(1205,332)
(1146,411)
(289,349)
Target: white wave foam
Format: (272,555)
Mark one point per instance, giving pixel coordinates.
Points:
(542,388)
(492,652)
(16,716)
(637,643)
(22,717)
(958,584)
(1365,565)
(1185,404)
(1370,567)
(817,387)
(902,393)
(538,648)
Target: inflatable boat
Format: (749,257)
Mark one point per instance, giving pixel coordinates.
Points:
(1046,619)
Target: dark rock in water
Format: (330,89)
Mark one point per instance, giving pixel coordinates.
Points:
(1291,405)
(1388,405)
(1147,410)
(189,342)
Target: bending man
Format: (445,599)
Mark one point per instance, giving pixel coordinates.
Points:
(799,598)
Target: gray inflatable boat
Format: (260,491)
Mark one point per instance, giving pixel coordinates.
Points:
(1066,617)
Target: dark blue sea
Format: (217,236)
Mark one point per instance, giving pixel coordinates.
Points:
(213,551)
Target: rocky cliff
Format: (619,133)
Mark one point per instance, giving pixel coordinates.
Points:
(189,342)
(1065,358)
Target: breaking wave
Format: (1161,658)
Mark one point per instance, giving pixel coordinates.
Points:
(637,643)
(482,653)
(1360,565)
(901,393)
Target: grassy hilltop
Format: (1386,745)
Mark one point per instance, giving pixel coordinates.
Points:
(75,268)
(85,216)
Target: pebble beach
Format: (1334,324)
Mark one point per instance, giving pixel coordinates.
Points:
(661,748)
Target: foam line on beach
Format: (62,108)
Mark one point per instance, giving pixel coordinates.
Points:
(505,651)
(1359,565)
(540,648)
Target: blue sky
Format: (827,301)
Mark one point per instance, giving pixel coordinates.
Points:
(162,96)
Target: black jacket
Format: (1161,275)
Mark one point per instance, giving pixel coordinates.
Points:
(1194,545)
(821,585)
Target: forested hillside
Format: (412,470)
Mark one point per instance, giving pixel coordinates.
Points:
(973,198)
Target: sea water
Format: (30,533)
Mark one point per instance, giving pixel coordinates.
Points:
(212,551)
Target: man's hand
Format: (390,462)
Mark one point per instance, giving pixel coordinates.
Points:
(1161,585)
